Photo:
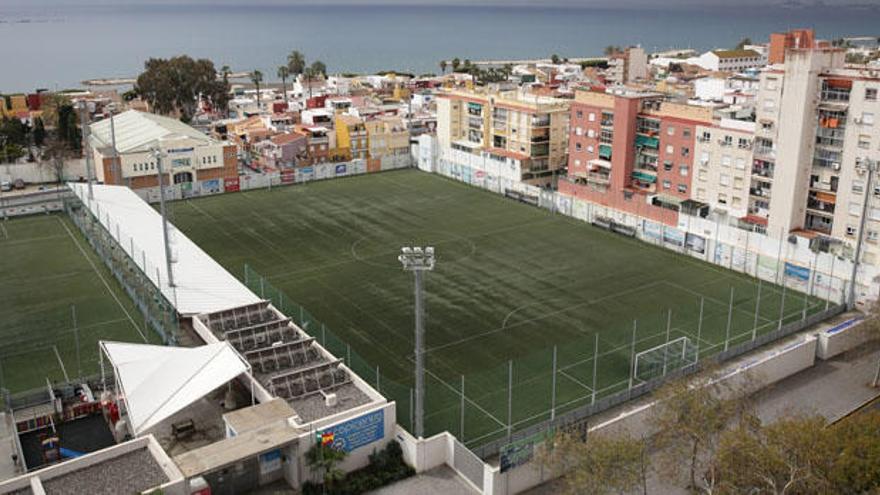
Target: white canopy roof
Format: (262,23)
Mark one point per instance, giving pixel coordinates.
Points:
(201,284)
(139,131)
(158,381)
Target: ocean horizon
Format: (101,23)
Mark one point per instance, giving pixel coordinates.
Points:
(57,48)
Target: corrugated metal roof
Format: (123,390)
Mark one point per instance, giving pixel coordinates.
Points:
(201,284)
(140,131)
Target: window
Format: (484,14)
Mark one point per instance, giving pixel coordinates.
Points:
(577,163)
(769,104)
(874,214)
(737,182)
(872,235)
(740,163)
(579,114)
(683,170)
(871,94)
(701,194)
(855,209)
(771,84)
(704,157)
(724,180)
(589,148)
(767,125)
(682,188)
(744,143)
(591,117)
(725,160)
(686,133)
(850,230)
(667,165)
(685,151)
(867,118)
(670,149)
(736,202)
(578,131)
(578,147)
(702,176)
(864,141)
(667,184)
(591,133)
(722,198)
(728,141)
(858,186)
(670,131)
(876,190)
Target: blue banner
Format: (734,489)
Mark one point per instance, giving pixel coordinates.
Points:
(341,169)
(673,236)
(798,272)
(358,432)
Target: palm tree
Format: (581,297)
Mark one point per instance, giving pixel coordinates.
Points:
(284,73)
(456,63)
(443,67)
(296,62)
(257,78)
(314,71)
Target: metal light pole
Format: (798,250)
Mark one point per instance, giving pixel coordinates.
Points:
(157,154)
(418,260)
(84,122)
(870,166)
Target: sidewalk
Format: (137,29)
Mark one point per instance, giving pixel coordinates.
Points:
(439,480)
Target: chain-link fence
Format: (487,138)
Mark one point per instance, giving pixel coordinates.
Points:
(489,408)
(129,264)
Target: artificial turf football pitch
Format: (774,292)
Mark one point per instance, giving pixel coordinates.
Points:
(48,272)
(511,283)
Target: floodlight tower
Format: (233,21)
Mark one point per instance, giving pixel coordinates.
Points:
(158,154)
(418,261)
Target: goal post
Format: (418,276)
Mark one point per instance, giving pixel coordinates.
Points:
(659,360)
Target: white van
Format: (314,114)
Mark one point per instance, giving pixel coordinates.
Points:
(5,186)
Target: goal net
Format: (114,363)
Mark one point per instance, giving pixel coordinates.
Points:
(660,360)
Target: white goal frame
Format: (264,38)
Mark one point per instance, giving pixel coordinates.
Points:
(686,344)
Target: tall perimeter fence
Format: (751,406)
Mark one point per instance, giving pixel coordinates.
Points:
(563,385)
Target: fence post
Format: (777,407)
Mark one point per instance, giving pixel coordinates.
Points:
(595,367)
(757,311)
(246,273)
(76,341)
(553,384)
(666,343)
(700,328)
(411,417)
(377,379)
(632,355)
(461,426)
(262,288)
(509,399)
(348,355)
(729,320)
(323,334)
(830,282)
(782,305)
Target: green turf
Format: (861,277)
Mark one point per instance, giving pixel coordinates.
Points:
(511,282)
(46,267)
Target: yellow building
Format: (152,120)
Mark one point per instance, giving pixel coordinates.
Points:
(351,137)
(529,131)
(387,136)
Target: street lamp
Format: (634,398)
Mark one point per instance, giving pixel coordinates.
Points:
(864,165)
(418,260)
(157,153)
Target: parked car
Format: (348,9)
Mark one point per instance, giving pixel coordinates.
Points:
(5,186)
(18,184)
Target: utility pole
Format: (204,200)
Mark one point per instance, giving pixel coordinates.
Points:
(418,260)
(863,165)
(84,122)
(117,166)
(157,154)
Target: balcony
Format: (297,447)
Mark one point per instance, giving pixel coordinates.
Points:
(765,152)
(835,95)
(818,223)
(599,178)
(475,122)
(538,150)
(817,206)
(541,121)
(647,142)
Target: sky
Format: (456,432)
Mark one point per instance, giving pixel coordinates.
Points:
(874,4)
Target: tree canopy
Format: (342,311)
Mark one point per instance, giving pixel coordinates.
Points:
(174,85)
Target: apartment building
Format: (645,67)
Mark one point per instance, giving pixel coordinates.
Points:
(633,151)
(731,60)
(512,135)
(189,156)
(724,167)
(816,127)
(627,66)
(387,136)
(351,137)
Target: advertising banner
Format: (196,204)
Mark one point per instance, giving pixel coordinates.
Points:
(696,243)
(358,432)
(231,185)
(288,177)
(341,169)
(673,236)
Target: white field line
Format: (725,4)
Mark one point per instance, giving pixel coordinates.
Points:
(63,369)
(718,301)
(582,384)
(3,229)
(103,280)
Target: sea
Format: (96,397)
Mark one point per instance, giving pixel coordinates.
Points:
(57,48)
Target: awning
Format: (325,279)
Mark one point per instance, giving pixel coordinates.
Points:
(156,381)
(826,197)
(605,151)
(647,141)
(599,163)
(644,177)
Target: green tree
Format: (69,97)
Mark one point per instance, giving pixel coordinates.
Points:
(325,458)
(456,63)
(319,69)
(283,73)
(857,454)
(174,86)
(296,63)
(554,59)
(743,42)
(257,78)
(690,417)
(601,464)
(443,66)
(39,132)
(67,129)
(612,49)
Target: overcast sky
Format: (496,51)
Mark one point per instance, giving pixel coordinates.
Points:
(518,3)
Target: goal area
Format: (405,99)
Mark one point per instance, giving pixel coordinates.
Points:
(659,360)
